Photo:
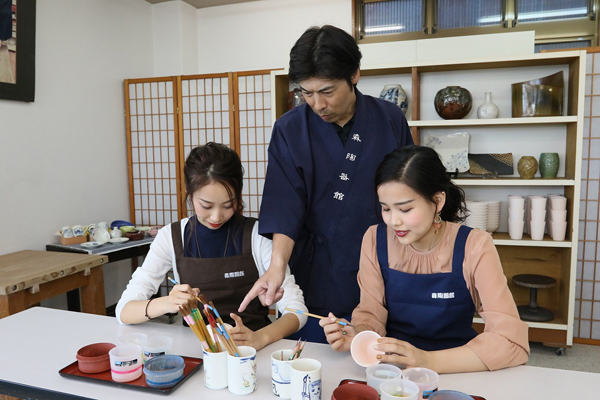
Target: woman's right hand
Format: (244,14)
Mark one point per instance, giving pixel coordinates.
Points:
(181,294)
(338,336)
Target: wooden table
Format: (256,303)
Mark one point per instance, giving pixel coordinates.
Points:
(39,342)
(27,277)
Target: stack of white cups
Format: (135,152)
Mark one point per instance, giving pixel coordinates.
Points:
(557,216)
(537,217)
(516,216)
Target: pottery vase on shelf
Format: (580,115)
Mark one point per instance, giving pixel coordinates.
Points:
(549,163)
(295,98)
(527,167)
(488,109)
(453,102)
(395,94)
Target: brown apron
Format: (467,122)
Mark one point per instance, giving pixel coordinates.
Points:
(224,280)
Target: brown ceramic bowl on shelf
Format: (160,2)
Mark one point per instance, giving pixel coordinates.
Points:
(135,235)
(93,358)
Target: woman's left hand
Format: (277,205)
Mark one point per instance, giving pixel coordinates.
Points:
(244,336)
(400,352)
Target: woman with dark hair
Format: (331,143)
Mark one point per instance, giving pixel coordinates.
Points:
(423,276)
(317,202)
(217,251)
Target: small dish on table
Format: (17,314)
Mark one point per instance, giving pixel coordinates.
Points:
(90,245)
(118,240)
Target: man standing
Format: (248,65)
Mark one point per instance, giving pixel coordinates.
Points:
(319,196)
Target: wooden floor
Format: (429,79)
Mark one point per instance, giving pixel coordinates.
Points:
(8,66)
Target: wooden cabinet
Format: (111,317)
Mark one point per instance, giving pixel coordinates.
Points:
(520,136)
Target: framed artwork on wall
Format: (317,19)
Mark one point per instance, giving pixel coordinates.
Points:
(17,50)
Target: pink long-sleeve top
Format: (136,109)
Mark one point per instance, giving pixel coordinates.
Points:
(504,342)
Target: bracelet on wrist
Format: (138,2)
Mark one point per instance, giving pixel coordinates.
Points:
(146,312)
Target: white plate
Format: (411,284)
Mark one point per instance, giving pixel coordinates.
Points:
(118,240)
(142,228)
(453,149)
(90,245)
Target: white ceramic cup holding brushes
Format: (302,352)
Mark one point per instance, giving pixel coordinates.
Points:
(281,373)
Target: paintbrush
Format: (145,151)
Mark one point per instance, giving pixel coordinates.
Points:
(339,321)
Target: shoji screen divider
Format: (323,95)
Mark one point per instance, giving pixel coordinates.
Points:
(153,141)
(205,115)
(167,117)
(253,132)
(587,295)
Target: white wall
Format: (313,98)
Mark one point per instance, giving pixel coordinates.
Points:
(63,157)
(175,39)
(260,34)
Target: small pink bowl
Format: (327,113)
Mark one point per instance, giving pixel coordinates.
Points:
(362,348)
(93,358)
(154,230)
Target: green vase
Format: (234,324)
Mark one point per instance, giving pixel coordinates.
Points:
(548,164)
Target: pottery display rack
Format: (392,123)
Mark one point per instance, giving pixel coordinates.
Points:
(520,136)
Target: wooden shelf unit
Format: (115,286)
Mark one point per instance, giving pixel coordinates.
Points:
(553,258)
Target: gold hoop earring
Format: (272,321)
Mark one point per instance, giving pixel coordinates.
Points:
(437,221)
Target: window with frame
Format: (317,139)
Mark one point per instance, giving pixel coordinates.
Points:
(557,23)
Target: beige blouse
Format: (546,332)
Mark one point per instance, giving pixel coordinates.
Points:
(504,342)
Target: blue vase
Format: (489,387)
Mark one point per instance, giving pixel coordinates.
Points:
(395,94)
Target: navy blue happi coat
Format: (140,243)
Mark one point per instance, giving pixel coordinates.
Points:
(321,194)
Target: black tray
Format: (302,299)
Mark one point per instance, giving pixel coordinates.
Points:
(72,371)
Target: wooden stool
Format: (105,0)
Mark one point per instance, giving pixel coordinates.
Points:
(533,312)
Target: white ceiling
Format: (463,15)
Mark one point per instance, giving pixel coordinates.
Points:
(204,3)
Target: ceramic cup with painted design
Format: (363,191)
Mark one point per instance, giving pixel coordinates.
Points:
(241,371)
(306,379)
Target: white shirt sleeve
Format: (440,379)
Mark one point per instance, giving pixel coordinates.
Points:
(292,295)
(146,279)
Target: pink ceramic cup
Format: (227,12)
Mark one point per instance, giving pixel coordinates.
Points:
(558,215)
(558,202)
(515,229)
(559,230)
(362,348)
(537,230)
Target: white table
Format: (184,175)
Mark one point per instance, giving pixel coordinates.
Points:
(35,344)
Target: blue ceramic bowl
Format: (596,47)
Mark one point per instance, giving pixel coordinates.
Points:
(449,395)
(164,371)
(119,223)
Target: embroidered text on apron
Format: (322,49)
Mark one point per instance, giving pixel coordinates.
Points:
(430,311)
(224,280)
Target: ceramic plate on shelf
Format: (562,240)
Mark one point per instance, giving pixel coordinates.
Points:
(90,245)
(142,228)
(452,148)
(118,240)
